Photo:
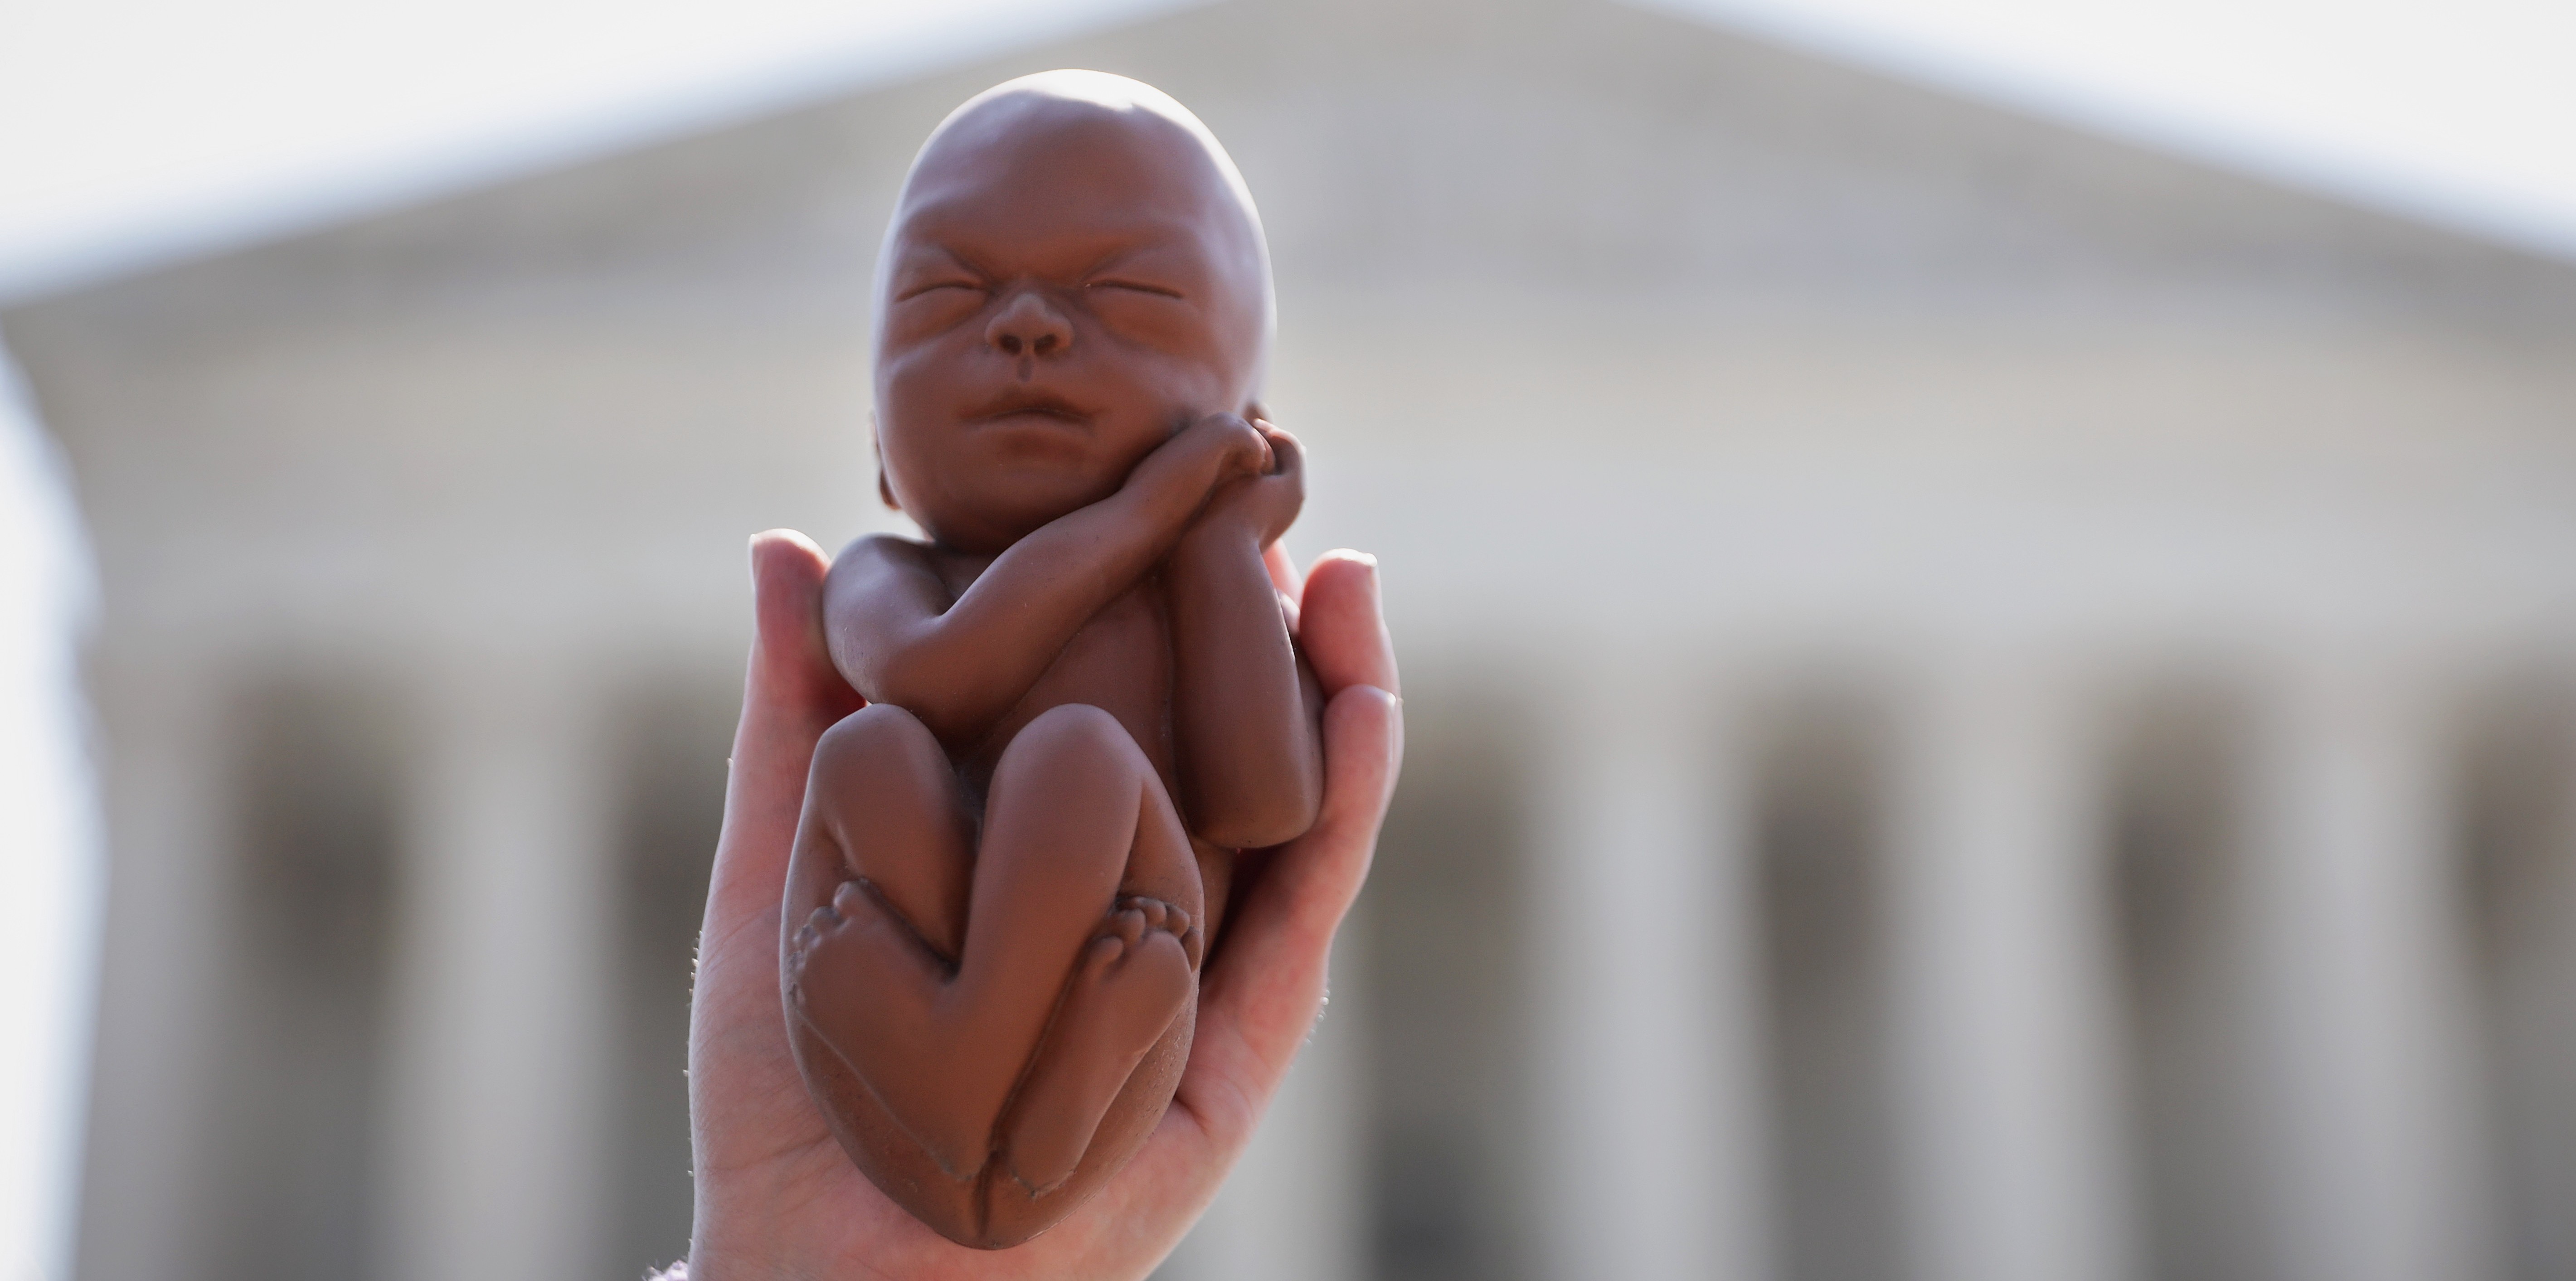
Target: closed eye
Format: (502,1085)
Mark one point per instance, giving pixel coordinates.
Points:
(1137,286)
(935,286)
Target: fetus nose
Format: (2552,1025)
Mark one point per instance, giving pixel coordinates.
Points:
(1029,327)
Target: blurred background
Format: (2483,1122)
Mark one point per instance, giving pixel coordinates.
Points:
(1987,596)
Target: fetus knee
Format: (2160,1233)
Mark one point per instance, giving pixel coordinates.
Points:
(874,740)
(1075,730)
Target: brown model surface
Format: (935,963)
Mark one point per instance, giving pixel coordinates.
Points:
(1083,692)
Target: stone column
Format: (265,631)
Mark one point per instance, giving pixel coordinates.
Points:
(2362,1008)
(500,1004)
(2005,1013)
(1638,925)
(2531,1017)
(162,958)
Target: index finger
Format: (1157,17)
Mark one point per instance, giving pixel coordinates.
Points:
(1342,626)
(1283,571)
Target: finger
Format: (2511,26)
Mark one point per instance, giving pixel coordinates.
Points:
(1262,992)
(1341,627)
(787,572)
(1250,442)
(1312,881)
(1283,571)
(1261,441)
(1287,453)
(791,694)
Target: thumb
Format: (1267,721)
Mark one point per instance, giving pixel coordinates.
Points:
(790,695)
(789,663)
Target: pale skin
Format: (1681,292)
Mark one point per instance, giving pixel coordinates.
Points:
(776,1196)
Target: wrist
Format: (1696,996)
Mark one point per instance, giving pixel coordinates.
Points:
(1219,531)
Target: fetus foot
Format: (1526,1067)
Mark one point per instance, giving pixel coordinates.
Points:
(1130,983)
(863,978)
(854,937)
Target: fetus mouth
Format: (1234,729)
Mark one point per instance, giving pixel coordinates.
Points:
(1025,404)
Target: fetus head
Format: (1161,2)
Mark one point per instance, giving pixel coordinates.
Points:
(1074,273)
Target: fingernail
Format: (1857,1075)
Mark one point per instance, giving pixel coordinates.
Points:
(751,551)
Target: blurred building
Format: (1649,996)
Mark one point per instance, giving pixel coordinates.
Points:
(1985,705)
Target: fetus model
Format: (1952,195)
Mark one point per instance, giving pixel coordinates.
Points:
(1084,697)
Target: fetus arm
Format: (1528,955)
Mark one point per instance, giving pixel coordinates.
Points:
(960,665)
(1245,707)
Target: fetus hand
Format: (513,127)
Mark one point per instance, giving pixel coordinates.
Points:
(1261,506)
(776,1196)
(1209,452)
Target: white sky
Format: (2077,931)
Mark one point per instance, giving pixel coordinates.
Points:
(136,131)
(2460,112)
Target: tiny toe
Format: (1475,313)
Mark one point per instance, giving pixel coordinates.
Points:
(1154,912)
(1177,921)
(1103,952)
(1129,926)
(846,899)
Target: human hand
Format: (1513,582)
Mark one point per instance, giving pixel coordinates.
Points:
(775,1194)
(1261,506)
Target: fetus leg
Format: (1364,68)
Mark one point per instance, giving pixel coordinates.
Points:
(880,874)
(934,971)
(1134,974)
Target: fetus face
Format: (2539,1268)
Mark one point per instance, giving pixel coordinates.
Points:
(1072,275)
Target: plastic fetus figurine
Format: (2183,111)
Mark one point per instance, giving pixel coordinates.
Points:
(1084,694)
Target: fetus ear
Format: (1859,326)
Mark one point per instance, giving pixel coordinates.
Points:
(876,445)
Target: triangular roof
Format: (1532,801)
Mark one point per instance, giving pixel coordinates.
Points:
(1584,142)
